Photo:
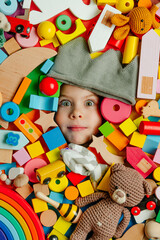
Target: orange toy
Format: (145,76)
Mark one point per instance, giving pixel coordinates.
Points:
(140,20)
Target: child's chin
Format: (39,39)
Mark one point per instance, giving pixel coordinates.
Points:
(79,140)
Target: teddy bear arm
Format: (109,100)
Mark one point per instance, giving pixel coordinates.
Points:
(83,201)
(123,224)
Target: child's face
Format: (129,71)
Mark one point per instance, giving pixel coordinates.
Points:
(78,114)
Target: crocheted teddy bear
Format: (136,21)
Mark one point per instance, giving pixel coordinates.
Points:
(140,20)
(127,189)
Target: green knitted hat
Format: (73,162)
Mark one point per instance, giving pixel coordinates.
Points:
(103,75)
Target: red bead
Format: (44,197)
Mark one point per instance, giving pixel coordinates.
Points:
(135,211)
(48,86)
(151,205)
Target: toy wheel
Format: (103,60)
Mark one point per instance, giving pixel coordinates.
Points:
(53,237)
(61,174)
(46,180)
(135,211)
(151,205)
(19,28)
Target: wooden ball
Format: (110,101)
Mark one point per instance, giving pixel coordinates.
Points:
(21,180)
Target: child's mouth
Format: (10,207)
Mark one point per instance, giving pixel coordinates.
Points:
(76,128)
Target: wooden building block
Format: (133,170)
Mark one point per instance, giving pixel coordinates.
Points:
(3,56)
(46,120)
(24,191)
(156,158)
(134,232)
(53,155)
(158,217)
(148,69)
(62,225)
(58,197)
(64,38)
(43,103)
(85,188)
(138,120)
(138,139)
(128,127)
(106,129)
(11,46)
(46,66)
(75,178)
(118,139)
(104,2)
(41,188)
(28,128)
(6,155)
(140,161)
(39,205)
(48,218)
(71,193)
(60,236)
(104,183)
(21,90)
(151,144)
(21,156)
(35,149)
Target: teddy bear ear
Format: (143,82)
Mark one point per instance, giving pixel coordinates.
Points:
(147,187)
(122,32)
(118,167)
(119,20)
(7,27)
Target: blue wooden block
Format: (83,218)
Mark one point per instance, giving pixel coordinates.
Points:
(58,197)
(3,56)
(54,138)
(43,103)
(7,166)
(151,144)
(47,66)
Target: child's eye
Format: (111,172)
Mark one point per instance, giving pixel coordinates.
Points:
(89,103)
(65,103)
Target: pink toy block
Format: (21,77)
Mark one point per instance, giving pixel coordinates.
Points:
(21,156)
(158,13)
(140,161)
(158,86)
(156,158)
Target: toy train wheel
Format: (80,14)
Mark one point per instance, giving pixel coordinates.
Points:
(19,28)
(151,205)
(135,211)
(53,237)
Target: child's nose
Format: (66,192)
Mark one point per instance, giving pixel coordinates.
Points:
(76,114)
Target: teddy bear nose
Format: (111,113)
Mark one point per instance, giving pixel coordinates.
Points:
(120,194)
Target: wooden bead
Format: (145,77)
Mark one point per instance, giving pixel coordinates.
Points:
(21,180)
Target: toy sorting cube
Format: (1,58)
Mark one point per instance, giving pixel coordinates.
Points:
(21,156)
(62,225)
(39,205)
(138,139)
(35,149)
(46,66)
(128,127)
(54,138)
(53,155)
(85,188)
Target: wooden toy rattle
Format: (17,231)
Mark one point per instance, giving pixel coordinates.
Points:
(70,212)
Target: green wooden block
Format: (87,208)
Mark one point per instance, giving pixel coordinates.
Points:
(158,217)
(106,129)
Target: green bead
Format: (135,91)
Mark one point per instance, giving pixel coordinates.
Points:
(63,22)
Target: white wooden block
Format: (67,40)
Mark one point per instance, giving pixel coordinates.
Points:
(149,62)
(14,172)
(26,4)
(102,30)
(144,215)
(50,8)
(158,86)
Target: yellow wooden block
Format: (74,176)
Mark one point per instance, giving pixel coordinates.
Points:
(85,188)
(62,225)
(53,155)
(39,205)
(128,127)
(59,235)
(35,149)
(104,2)
(96,54)
(138,139)
(138,120)
(104,183)
(64,38)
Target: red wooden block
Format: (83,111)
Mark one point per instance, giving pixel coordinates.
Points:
(75,178)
